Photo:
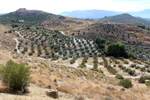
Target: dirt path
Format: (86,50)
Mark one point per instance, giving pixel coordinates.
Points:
(19,34)
(17,44)
(132,77)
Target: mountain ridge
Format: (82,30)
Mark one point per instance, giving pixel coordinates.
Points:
(128,19)
(91,14)
(84,13)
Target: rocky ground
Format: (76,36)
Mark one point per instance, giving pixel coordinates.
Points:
(71,82)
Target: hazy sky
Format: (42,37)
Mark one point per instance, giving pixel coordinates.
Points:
(58,6)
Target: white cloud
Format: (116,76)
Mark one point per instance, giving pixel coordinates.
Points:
(57,6)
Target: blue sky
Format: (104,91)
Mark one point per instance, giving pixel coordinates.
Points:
(58,6)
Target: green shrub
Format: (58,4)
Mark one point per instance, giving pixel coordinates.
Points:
(73,60)
(95,66)
(131,55)
(120,66)
(117,62)
(126,62)
(143,69)
(142,79)
(137,67)
(147,83)
(15,76)
(64,58)
(30,54)
(101,71)
(101,63)
(82,65)
(112,70)
(147,66)
(131,72)
(55,58)
(133,65)
(119,76)
(148,70)
(121,58)
(126,83)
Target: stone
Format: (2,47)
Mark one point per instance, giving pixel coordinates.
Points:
(111,87)
(49,86)
(55,80)
(26,90)
(80,97)
(121,89)
(52,93)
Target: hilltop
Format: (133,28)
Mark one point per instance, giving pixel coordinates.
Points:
(128,19)
(25,16)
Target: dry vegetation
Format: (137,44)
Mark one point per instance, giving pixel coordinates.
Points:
(71,80)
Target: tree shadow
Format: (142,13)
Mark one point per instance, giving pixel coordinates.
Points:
(7,90)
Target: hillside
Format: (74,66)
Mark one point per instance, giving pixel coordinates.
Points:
(126,33)
(24,16)
(63,56)
(71,79)
(128,19)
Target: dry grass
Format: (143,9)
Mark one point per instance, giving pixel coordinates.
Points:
(74,83)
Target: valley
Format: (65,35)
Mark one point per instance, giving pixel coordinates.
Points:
(72,56)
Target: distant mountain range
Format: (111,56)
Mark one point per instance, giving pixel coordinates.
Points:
(126,18)
(97,14)
(148,19)
(91,14)
(144,13)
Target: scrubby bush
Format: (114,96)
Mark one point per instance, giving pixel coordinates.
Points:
(131,72)
(55,58)
(147,66)
(82,65)
(131,55)
(126,83)
(73,60)
(119,76)
(64,58)
(117,62)
(126,62)
(111,70)
(15,76)
(133,65)
(143,69)
(30,54)
(101,63)
(143,78)
(147,83)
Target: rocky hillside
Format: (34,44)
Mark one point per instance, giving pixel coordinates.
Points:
(72,82)
(115,32)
